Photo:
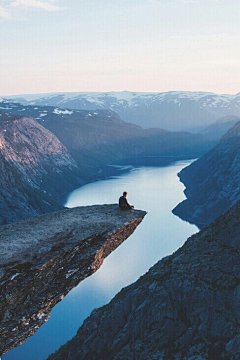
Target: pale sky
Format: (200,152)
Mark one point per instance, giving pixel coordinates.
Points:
(115,45)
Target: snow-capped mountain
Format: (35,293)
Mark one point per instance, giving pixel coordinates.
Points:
(175,110)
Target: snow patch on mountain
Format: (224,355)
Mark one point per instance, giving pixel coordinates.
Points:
(62,112)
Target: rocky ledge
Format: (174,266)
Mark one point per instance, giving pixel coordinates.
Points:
(43,258)
(186,307)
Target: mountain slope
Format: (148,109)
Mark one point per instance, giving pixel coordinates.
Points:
(220,127)
(96,138)
(174,110)
(185,307)
(18,200)
(212,182)
(35,168)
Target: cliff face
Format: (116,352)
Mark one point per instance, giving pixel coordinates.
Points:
(212,182)
(186,306)
(35,168)
(17,199)
(43,258)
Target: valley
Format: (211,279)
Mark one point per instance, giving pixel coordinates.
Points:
(56,150)
(119,180)
(47,152)
(154,189)
(185,306)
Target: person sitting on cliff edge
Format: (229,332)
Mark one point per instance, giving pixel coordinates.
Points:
(123,203)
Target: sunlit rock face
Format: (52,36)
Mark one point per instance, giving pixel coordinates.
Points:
(43,258)
(35,169)
(184,307)
(212,182)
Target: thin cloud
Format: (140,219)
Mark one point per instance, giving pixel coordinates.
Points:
(7,7)
(4,13)
(35,4)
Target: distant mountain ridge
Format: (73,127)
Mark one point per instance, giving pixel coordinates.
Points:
(96,138)
(220,127)
(173,110)
(212,182)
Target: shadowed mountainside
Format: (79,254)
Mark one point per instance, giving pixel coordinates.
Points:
(35,167)
(220,127)
(212,182)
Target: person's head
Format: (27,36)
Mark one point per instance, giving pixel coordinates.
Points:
(125,194)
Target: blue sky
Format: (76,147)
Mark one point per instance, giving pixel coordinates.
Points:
(103,45)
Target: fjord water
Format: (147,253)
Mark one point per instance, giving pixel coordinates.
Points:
(155,189)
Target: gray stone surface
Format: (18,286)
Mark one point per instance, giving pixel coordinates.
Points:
(185,307)
(43,258)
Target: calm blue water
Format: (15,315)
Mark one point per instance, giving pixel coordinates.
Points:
(154,189)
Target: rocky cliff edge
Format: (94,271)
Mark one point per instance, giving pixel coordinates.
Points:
(43,258)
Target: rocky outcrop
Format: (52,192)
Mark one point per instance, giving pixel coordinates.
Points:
(212,182)
(186,307)
(35,168)
(43,258)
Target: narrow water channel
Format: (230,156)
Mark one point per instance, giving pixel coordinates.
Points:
(155,189)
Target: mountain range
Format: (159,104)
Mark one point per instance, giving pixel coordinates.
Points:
(98,137)
(174,110)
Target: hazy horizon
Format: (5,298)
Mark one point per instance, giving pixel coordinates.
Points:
(101,46)
(114,91)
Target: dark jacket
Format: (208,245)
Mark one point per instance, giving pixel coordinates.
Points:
(123,203)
